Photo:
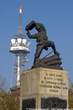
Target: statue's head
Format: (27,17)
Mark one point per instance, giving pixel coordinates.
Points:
(40,27)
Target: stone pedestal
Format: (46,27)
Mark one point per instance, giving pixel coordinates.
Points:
(44,88)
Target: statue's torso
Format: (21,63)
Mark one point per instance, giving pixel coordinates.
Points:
(41,38)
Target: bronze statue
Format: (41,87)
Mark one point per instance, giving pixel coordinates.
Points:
(41,39)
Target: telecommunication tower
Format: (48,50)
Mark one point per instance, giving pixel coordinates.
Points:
(20,47)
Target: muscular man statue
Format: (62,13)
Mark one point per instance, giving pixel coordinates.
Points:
(41,39)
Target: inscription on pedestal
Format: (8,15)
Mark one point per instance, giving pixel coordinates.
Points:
(55,83)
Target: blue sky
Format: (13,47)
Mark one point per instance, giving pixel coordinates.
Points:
(56,15)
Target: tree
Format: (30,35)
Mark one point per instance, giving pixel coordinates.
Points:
(8,102)
(7,99)
(70,95)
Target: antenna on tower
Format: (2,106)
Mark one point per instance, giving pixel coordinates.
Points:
(20,19)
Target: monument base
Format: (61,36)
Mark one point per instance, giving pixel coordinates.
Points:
(43,88)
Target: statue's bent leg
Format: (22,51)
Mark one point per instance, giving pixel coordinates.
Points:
(52,45)
(39,49)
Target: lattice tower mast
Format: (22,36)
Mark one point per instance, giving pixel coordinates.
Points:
(19,46)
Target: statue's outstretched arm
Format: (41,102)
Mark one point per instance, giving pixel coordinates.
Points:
(32,36)
(30,26)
